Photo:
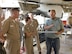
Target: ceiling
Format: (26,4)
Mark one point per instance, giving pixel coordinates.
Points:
(65,4)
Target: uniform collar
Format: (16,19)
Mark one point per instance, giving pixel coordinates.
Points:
(12,19)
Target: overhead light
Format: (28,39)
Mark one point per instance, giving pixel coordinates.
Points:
(67,0)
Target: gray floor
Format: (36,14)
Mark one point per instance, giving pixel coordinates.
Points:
(65,47)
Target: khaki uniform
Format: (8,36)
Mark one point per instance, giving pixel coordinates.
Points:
(1,44)
(11,28)
(28,40)
(36,35)
(0,26)
(0,23)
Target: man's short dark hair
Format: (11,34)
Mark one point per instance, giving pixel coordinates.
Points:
(15,9)
(53,10)
(27,18)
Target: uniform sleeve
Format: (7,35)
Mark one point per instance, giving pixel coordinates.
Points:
(25,29)
(36,23)
(5,26)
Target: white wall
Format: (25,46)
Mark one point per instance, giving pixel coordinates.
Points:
(58,9)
